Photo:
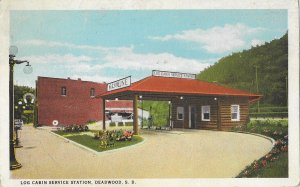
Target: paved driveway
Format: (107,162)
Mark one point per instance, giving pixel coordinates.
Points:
(192,154)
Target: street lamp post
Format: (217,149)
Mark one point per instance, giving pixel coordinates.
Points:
(14,164)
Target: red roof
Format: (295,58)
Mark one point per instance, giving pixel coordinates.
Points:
(156,84)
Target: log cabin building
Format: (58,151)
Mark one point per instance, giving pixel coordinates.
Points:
(194,103)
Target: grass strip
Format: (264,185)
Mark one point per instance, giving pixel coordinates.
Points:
(94,144)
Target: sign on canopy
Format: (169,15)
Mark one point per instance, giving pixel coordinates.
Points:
(122,83)
(173,74)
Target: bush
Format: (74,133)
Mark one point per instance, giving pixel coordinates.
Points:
(269,115)
(275,129)
(98,134)
(108,138)
(114,135)
(145,122)
(120,124)
(91,121)
(75,128)
(119,134)
(129,124)
(112,124)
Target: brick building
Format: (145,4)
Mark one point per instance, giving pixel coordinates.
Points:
(72,101)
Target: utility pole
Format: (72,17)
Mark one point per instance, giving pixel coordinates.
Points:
(258,110)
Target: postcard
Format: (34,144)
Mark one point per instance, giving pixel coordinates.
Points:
(148,93)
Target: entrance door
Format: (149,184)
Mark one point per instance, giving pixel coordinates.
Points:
(192,117)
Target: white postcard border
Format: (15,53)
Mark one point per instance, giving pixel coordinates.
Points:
(293,23)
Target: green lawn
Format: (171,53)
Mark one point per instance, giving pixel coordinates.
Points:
(278,169)
(94,144)
(278,130)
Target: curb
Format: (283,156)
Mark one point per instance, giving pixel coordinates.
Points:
(93,151)
(260,135)
(47,128)
(162,131)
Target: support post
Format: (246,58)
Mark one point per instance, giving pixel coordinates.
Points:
(142,122)
(219,114)
(135,115)
(170,125)
(103,107)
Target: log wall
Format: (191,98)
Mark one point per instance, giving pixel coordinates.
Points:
(220,112)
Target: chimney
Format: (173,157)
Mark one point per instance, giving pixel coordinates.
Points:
(79,79)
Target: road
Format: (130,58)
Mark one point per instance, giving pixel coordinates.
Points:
(191,154)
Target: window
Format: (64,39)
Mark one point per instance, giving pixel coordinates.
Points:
(63,91)
(205,110)
(235,112)
(179,113)
(92,92)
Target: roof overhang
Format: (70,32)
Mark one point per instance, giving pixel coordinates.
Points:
(161,96)
(165,89)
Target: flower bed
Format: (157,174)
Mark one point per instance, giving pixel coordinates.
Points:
(103,140)
(265,166)
(75,128)
(108,138)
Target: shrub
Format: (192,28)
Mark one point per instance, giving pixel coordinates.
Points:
(119,134)
(68,128)
(145,122)
(120,124)
(129,124)
(98,134)
(91,121)
(75,128)
(107,138)
(80,128)
(112,124)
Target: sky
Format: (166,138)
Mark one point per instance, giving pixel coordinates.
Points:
(106,45)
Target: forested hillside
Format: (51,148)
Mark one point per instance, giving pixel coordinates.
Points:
(239,71)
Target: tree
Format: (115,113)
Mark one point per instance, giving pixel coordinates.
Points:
(20,105)
(239,71)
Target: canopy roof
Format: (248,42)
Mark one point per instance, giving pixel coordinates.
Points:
(169,86)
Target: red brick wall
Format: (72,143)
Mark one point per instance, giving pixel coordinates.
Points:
(77,107)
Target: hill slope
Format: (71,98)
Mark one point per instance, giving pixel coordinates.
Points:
(239,71)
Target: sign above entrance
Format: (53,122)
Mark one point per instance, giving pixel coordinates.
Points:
(122,83)
(173,74)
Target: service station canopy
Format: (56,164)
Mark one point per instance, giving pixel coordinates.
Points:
(165,86)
